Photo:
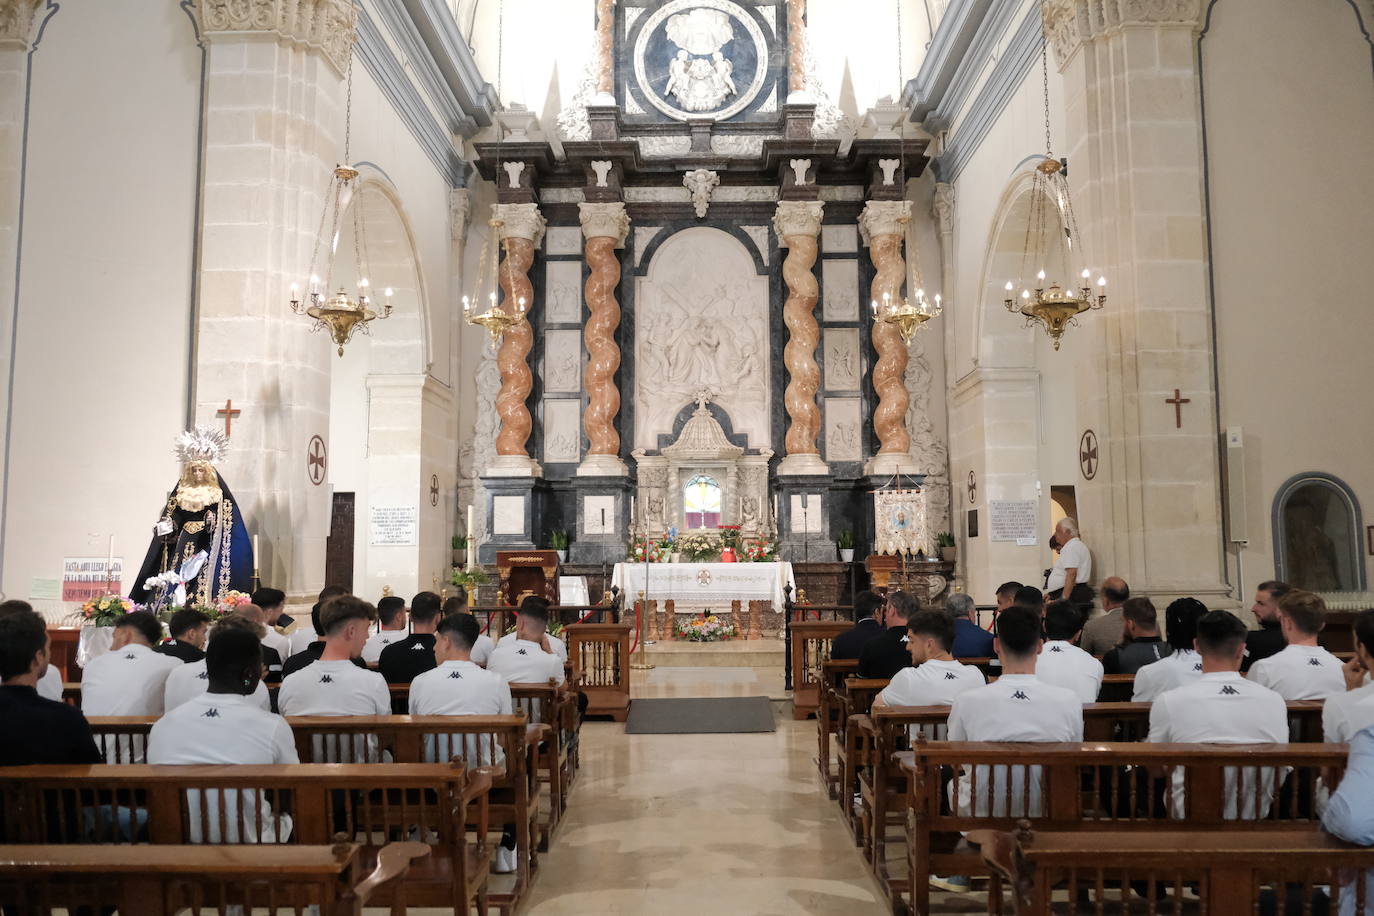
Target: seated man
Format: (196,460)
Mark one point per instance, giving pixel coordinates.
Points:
(401,661)
(1268,639)
(1105,631)
(527,656)
(303,637)
(35,730)
(391,619)
(193,678)
(130,678)
(272,663)
(188,628)
(868,616)
(273,604)
(1344,714)
(50,682)
(936,678)
(886,654)
(1350,816)
(1030,596)
(312,652)
(225,725)
(1062,662)
(1142,643)
(1302,670)
(481,651)
(1182,665)
(1222,707)
(541,608)
(970,640)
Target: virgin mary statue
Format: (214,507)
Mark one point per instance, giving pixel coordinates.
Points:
(200,546)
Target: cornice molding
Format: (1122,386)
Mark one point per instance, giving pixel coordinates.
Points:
(1069,24)
(327,26)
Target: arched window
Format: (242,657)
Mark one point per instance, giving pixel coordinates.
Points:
(1317,543)
(701,502)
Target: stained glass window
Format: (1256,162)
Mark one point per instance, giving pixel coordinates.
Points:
(701,502)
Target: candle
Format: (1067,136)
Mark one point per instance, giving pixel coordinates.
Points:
(633,518)
(256,555)
(109,563)
(472,537)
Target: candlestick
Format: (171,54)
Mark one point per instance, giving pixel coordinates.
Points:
(472,537)
(109,566)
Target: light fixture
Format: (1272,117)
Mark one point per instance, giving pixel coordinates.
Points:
(495,319)
(340,314)
(1047,302)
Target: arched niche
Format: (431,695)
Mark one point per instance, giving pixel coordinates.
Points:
(1318,534)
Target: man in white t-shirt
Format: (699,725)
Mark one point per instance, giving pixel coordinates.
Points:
(481,650)
(1302,670)
(1073,569)
(530,655)
(270,602)
(1061,662)
(936,678)
(129,679)
(1222,707)
(1183,665)
(1345,714)
(391,618)
(193,678)
(224,725)
(334,686)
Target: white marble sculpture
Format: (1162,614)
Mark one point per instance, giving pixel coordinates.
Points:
(700,77)
(701,183)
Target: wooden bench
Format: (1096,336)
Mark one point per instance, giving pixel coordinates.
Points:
(1231,873)
(165,880)
(855,698)
(1100,786)
(555,762)
(834,672)
(600,657)
(809,650)
(223,806)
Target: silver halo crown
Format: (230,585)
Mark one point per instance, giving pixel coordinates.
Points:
(204,443)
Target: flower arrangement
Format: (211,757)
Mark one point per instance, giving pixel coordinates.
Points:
(760,550)
(730,535)
(705,629)
(106,610)
(652,550)
(230,600)
(699,545)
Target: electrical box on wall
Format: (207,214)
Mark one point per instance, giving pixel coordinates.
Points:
(1236,520)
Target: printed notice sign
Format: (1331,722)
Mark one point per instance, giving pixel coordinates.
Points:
(84,578)
(1013,519)
(394,526)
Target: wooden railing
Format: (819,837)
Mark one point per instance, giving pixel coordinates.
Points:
(600,655)
(809,650)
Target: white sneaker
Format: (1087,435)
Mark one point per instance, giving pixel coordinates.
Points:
(506,861)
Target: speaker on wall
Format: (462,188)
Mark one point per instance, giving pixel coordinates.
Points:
(1236,517)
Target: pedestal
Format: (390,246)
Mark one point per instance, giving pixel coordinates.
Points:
(515,515)
(804,510)
(603,519)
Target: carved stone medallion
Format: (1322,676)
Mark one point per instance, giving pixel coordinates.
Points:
(700,59)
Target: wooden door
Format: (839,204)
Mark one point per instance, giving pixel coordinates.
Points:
(338,551)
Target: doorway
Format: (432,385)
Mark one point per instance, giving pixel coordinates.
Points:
(338,551)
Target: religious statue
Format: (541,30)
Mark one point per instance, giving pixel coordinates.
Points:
(700,77)
(200,547)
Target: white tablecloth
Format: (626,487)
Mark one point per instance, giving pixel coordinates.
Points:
(705,583)
(572,590)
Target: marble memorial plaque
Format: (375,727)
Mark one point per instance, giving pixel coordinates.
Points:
(598,514)
(839,239)
(563,293)
(843,429)
(562,430)
(507,515)
(842,359)
(806,519)
(841,290)
(563,361)
(563,239)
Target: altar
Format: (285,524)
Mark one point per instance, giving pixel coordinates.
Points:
(704,586)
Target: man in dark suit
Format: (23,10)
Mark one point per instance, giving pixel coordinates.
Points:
(1268,639)
(970,640)
(868,611)
(885,655)
(188,627)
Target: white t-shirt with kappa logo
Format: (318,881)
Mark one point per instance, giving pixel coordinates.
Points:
(1345,714)
(1181,667)
(1065,665)
(1300,673)
(559,647)
(126,682)
(932,683)
(457,688)
(191,680)
(337,688)
(482,649)
(372,649)
(520,661)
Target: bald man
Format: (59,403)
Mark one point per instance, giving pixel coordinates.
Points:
(1105,632)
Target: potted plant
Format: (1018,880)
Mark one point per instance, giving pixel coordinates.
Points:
(945,542)
(559,540)
(845,542)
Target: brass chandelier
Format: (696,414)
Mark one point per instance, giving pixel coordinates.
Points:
(1050,304)
(342,315)
(495,319)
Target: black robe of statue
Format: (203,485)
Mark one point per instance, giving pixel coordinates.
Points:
(218,530)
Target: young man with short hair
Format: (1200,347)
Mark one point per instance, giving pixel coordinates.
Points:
(1302,670)
(1104,632)
(970,640)
(193,678)
(1142,643)
(1345,714)
(303,637)
(1031,597)
(334,685)
(1061,661)
(188,628)
(129,679)
(1182,665)
(33,729)
(273,604)
(886,654)
(540,607)
(1006,594)
(311,653)
(868,624)
(526,656)
(935,678)
(402,661)
(1221,707)
(481,651)
(50,682)
(391,619)
(1268,639)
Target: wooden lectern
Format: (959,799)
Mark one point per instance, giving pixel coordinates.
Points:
(527,572)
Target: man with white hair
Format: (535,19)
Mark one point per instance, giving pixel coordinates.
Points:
(1073,570)
(970,640)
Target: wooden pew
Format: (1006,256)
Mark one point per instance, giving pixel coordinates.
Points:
(165,880)
(221,806)
(553,705)
(1231,872)
(1087,787)
(855,699)
(829,717)
(810,649)
(600,657)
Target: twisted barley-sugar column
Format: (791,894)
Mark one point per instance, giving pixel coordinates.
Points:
(605,226)
(883,225)
(796,39)
(516,378)
(797,224)
(605,62)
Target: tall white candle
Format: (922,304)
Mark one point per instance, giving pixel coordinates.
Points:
(633,517)
(472,536)
(109,563)
(257,557)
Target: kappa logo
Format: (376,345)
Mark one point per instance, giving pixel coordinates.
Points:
(1315,661)
(1228,690)
(455,676)
(211,713)
(131,655)
(418,647)
(203,676)
(521,652)
(1020,695)
(1056,648)
(1197,666)
(326,679)
(949,676)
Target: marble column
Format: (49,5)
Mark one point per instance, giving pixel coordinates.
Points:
(883,227)
(604,225)
(521,230)
(797,224)
(605,53)
(796,48)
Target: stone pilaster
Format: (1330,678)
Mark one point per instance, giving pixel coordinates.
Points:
(1130,76)
(882,224)
(797,224)
(604,225)
(942,208)
(274,130)
(521,229)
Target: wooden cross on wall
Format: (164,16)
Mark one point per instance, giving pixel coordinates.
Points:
(1177,401)
(228,413)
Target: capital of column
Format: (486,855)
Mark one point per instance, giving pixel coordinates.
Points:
(329,26)
(605,220)
(1071,23)
(884,217)
(520,221)
(16,23)
(797,217)
(942,208)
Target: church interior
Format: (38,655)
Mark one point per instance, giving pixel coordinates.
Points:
(707,393)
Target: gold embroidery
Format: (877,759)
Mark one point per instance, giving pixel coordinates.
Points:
(195,527)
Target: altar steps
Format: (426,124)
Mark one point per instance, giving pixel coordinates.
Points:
(759,654)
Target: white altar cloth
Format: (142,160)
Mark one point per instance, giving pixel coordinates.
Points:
(698,584)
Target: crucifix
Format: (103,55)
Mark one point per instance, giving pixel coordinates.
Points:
(1178,403)
(228,413)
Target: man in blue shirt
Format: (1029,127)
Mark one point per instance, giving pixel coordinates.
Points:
(1350,816)
(970,640)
